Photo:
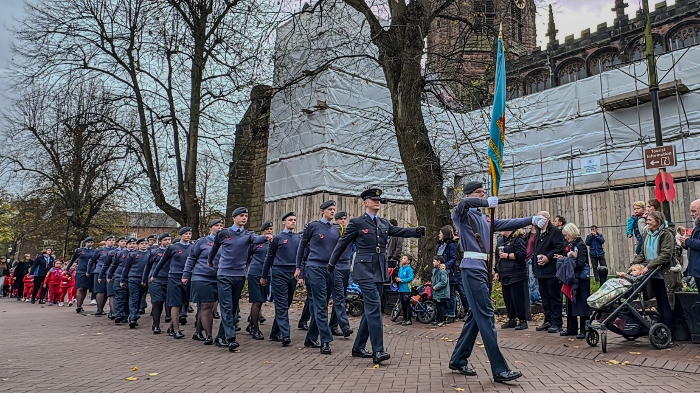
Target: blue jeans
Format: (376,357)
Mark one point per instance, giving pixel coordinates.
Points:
(318,279)
(371,323)
(479,321)
(533,286)
(339,316)
(136,291)
(230,289)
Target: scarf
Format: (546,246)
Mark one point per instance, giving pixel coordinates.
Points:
(651,246)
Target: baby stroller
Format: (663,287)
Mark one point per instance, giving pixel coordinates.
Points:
(620,317)
(354,304)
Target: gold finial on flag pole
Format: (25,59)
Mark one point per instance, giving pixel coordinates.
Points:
(500,31)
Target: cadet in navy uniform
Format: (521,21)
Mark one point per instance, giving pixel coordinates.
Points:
(231,247)
(132,276)
(281,258)
(257,294)
(339,322)
(158,288)
(204,286)
(178,293)
(102,276)
(370,235)
(95,266)
(317,243)
(152,242)
(82,276)
(121,294)
(473,227)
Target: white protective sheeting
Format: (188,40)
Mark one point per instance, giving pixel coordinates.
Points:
(350,145)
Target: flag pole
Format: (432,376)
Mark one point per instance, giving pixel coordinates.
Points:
(492,210)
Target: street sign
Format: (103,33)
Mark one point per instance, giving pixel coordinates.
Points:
(659,157)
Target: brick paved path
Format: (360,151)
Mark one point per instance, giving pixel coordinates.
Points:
(54,348)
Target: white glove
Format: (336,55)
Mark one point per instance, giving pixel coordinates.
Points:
(493,201)
(540,221)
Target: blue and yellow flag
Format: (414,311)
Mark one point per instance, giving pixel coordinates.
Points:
(498,121)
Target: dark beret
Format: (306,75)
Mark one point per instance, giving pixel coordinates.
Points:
(184,230)
(265,225)
(131,240)
(142,240)
(107,238)
(284,217)
(340,214)
(121,238)
(372,193)
(92,239)
(214,222)
(239,210)
(470,186)
(154,236)
(163,236)
(327,204)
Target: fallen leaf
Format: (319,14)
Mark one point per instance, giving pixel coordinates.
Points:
(625,362)
(375,366)
(152,374)
(613,361)
(266,362)
(481,346)
(478,343)
(6,379)
(576,346)
(571,339)
(98,333)
(134,368)
(131,378)
(408,353)
(597,360)
(432,329)
(450,341)
(519,361)
(459,389)
(635,353)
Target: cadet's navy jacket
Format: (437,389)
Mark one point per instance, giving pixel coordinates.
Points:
(135,266)
(98,260)
(282,252)
(317,241)
(231,246)
(370,238)
(196,267)
(156,255)
(467,208)
(176,254)
(116,268)
(82,255)
(108,262)
(258,253)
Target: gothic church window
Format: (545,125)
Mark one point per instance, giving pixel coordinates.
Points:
(685,37)
(572,72)
(604,61)
(538,81)
(516,22)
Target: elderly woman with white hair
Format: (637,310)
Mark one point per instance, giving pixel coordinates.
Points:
(577,309)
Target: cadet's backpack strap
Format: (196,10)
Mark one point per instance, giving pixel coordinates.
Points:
(477,235)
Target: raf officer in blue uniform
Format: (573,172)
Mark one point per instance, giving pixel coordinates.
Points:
(370,235)
(473,227)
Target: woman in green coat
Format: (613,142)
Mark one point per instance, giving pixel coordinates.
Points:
(658,250)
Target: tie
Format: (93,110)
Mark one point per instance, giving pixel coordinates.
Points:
(375,221)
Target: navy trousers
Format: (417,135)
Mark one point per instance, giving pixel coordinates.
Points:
(230,289)
(283,286)
(136,291)
(371,323)
(339,316)
(319,278)
(121,300)
(479,320)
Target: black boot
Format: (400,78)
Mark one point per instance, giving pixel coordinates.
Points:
(522,325)
(510,324)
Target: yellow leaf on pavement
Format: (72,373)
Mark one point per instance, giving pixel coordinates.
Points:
(459,389)
(519,361)
(375,366)
(408,353)
(266,362)
(134,368)
(131,378)
(613,361)
(152,374)
(481,346)
(450,341)
(635,353)
(625,362)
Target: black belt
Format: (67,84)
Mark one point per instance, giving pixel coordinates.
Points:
(377,250)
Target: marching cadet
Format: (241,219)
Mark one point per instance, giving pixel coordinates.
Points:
(257,294)
(317,243)
(231,247)
(339,322)
(95,266)
(121,294)
(280,262)
(132,277)
(370,235)
(158,288)
(473,227)
(82,275)
(178,293)
(102,276)
(204,281)
(152,242)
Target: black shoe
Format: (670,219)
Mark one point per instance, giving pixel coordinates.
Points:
(286,341)
(168,319)
(522,325)
(170,332)
(348,332)
(325,349)
(257,335)
(156,329)
(238,328)
(209,341)
(509,325)
(543,326)
(142,311)
(379,357)
(217,315)
(118,320)
(248,329)
(198,337)
(110,315)
(220,342)
(195,324)
(183,320)
(179,335)
(78,309)
(132,324)
(311,344)
(33,301)
(303,327)
(361,353)
(336,332)
(190,309)
(506,376)
(464,370)
(262,319)
(100,313)
(566,333)
(233,345)
(581,336)
(554,329)
(275,338)
(42,302)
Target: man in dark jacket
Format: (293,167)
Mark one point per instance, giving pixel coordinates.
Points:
(21,270)
(692,244)
(38,271)
(595,241)
(549,241)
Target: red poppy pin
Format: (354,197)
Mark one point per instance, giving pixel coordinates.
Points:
(488,219)
(83,252)
(160,254)
(179,251)
(285,241)
(138,256)
(365,231)
(320,235)
(260,245)
(210,243)
(228,237)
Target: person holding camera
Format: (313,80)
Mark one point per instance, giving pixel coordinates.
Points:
(595,241)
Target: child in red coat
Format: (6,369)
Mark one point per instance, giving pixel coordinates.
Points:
(68,286)
(10,280)
(28,287)
(53,281)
